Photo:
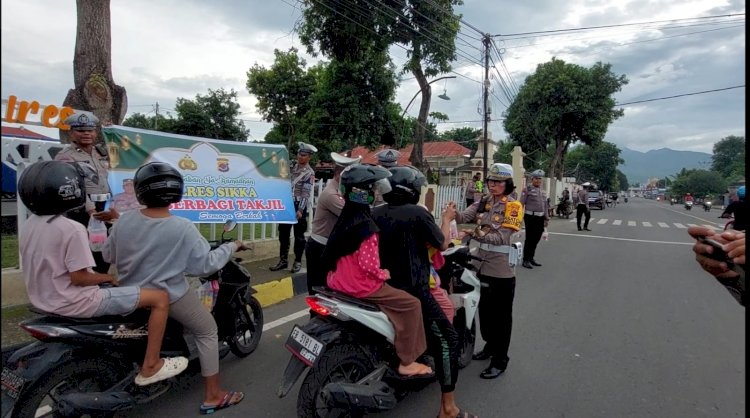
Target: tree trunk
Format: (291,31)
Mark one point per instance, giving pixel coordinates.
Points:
(417,157)
(94,89)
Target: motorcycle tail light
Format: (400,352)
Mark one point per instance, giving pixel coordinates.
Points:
(318,308)
(42,332)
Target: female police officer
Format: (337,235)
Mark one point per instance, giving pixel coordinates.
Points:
(498,217)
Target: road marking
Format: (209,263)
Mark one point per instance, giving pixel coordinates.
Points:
(631,223)
(622,239)
(602,221)
(681,226)
(692,216)
(617,222)
(663,225)
(647,224)
(285,319)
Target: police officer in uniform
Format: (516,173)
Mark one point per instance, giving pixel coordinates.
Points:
(498,217)
(303,179)
(327,211)
(94,158)
(536,217)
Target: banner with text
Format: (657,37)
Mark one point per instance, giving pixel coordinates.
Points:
(242,181)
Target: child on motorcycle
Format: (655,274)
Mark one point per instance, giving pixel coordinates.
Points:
(57,263)
(152,248)
(353,264)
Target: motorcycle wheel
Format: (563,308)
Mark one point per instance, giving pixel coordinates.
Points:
(249,328)
(82,375)
(339,363)
(467,339)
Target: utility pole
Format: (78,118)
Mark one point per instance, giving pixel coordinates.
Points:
(156,118)
(486,41)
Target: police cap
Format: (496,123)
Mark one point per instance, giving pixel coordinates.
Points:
(306,149)
(82,120)
(388,158)
(343,161)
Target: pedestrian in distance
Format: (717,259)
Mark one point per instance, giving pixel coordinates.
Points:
(536,217)
(84,149)
(303,179)
(474,189)
(327,211)
(726,263)
(498,217)
(582,208)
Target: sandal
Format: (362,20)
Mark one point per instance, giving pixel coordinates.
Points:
(464,414)
(226,402)
(172,367)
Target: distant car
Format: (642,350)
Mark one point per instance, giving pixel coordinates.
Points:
(596,199)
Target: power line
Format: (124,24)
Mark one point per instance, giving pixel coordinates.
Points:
(681,95)
(617,25)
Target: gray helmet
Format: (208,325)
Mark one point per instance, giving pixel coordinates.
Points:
(388,158)
(406,185)
(359,182)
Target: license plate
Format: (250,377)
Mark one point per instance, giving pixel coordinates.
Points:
(304,346)
(11,383)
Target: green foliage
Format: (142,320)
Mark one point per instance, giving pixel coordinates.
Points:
(284,93)
(465,136)
(561,104)
(622,181)
(699,183)
(503,153)
(597,164)
(729,158)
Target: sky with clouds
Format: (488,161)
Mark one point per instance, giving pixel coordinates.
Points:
(166,49)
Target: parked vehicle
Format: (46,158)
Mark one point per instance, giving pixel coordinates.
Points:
(348,348)
(596,199)
(689,204)
(88,366)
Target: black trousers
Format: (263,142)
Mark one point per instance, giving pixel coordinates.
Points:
(469,202)
(82,217)
(315,274)
(442,340)
(580,211)
(496,317)
(534,231)
(299,237)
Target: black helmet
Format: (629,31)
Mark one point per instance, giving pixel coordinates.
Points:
(406,185)
(52,187)
(359,182)
(158,184)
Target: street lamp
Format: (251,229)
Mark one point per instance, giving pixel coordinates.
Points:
(443,96)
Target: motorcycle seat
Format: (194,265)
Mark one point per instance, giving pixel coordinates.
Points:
(135,316)
(346,298)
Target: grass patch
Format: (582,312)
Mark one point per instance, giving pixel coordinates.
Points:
(10,251)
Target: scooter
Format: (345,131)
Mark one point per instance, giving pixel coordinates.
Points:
(707,205)
(348,348)
(564,208)
(88,366)
(689,204)
(672,201)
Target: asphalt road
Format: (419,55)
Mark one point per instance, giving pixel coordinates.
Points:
(619,322)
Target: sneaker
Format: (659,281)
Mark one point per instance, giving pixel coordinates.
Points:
(280,266)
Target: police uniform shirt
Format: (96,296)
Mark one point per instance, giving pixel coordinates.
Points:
(534,199)
(327,211)
(100,162)
(303,179)
(490,219)
(583,197)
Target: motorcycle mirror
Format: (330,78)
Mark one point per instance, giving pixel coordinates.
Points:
(229,225)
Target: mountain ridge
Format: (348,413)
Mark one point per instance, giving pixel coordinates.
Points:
(640,166)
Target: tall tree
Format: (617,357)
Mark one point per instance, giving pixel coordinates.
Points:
(215,115)
(283,92)
(94,88)
(699,183)
(561,104)
(622,181)
(729,157)
(596,163)
(157,122)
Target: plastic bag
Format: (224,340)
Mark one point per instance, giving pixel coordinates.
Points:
(97,234)
(208,292)
(545,235)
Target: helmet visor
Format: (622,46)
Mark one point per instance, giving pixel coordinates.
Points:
(382,186)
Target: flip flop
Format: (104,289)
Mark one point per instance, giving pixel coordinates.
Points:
(464,414)
(226,402)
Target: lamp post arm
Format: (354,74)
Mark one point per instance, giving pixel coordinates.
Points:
(420,90)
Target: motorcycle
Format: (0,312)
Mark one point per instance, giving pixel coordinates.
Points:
(564,208)
(348,348)
(689,204)
(707,206)
(672,201)
(88,366)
